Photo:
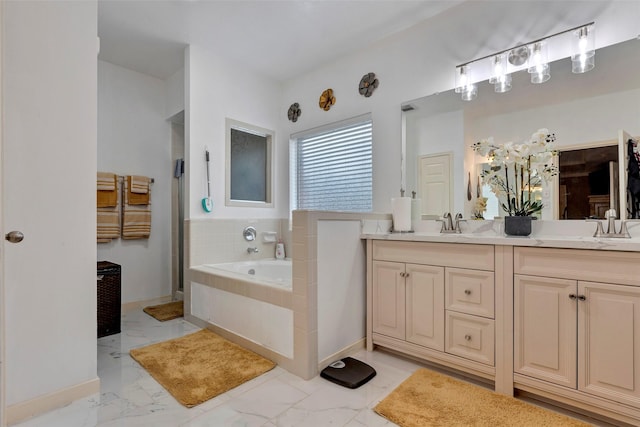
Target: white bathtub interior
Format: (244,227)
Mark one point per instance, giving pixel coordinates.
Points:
(266,324)
(270,272)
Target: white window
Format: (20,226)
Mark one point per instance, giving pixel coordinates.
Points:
(331,167)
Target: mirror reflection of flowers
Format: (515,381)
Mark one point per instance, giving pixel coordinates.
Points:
(480,208)
(516,170)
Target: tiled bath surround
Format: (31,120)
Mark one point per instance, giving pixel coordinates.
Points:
(214,241)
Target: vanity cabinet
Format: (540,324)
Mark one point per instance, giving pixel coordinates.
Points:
(407,302)
(435,301)
(577,326)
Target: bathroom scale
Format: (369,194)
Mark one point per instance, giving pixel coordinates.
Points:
(348,372)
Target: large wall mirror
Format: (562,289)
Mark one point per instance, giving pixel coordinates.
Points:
(592,114)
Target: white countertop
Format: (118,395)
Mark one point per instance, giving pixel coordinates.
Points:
(548,234)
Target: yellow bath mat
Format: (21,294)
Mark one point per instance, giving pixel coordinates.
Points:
(200,366)
(168,311)
(428,399)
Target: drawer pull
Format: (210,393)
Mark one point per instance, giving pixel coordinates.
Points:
(467,337)
(467,291)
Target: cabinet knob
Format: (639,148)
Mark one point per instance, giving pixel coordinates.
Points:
(467,337)
(467,291)
(402,274)
(573,296)
(406,274)
(582,297)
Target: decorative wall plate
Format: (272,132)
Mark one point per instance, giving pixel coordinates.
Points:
(294,112)
(368,83)
(327,99)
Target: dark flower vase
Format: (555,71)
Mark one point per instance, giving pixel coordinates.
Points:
(517,225)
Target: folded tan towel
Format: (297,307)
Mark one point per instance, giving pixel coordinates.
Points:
(139,184)
(138,198)
(106,193)
(108,219)
(136,218)
(107,181)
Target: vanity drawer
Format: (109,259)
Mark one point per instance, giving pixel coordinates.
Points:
(461,255)
(470,291)
(471,337)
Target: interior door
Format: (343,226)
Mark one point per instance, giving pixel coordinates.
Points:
(434,184)
(2,405)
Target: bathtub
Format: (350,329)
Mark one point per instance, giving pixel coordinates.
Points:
(252,300)
(269,272)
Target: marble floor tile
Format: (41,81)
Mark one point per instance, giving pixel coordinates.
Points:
(130,397)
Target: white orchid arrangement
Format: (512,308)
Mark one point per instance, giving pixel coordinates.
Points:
(515,169)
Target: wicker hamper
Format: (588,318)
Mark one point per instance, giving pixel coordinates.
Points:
(108,298)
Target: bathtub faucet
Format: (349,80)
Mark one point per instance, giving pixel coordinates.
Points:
(253,250)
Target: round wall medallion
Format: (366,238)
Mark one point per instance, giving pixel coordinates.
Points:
(368,83)
(327,99)
(294,112)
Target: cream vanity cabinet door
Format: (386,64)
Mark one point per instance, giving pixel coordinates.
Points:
(545,329)
(407,302)
(389,298)
(609,341)
(424,305)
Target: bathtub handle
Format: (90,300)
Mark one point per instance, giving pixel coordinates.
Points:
(249,233)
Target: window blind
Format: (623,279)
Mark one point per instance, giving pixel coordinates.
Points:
(334,169)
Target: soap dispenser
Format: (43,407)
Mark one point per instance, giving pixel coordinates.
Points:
(280,250)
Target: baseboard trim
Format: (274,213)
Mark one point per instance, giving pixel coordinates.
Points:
(39,405)
(358,345)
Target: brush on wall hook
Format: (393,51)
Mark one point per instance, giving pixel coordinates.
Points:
(207,203)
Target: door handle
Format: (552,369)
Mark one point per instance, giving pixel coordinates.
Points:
(14,236)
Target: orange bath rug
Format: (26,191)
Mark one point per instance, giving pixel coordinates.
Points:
(200,366)
(168,311)
(428,399)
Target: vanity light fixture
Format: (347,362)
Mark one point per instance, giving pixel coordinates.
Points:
(500,78)
(539,67)
(464,84)
(583,56)
(535,57)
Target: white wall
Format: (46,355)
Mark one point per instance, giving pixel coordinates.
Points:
(218,89)
(135,139)
(440,133)
(421,61)
(341,286)
(175,93)
(49,150)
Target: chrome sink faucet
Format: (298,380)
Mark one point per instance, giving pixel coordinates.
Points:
(448,225)
(610,216)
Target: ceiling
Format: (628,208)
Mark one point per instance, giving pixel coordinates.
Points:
(277,38)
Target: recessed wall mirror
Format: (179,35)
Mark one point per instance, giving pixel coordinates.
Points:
(592,115)
(249,158)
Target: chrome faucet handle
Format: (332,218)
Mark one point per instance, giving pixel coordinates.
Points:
(459,219)
(624,232)
(444,222)
(599,230)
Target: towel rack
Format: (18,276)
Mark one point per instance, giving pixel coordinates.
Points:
(152,180)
